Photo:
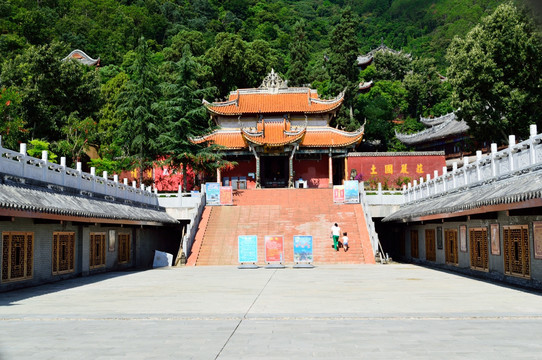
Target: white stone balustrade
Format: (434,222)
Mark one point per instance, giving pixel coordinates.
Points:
(515,157)
(21,165)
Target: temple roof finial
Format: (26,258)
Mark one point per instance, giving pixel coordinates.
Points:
(273,82)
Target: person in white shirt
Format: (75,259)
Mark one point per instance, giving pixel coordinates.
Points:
(335,233)
(345,242)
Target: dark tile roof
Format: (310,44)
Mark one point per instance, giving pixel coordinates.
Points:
(447,128)
(515,187)
(59,201)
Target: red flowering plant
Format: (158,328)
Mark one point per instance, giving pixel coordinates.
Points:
(12,125)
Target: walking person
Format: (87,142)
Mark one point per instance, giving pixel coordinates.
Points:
(335,233)
(345,242)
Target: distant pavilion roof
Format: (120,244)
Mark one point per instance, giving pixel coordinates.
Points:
(441,127)
(274,96)
(82,57)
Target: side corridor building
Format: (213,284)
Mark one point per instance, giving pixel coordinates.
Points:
(483,219)
(57,222)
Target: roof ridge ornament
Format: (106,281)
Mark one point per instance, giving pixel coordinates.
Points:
(273,82)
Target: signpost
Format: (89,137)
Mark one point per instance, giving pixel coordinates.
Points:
(274,251)
(303,255)
(247,251)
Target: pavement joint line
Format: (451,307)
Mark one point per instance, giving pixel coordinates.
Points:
(283,318)
(245,315)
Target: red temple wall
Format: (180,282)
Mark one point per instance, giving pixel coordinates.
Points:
(243,168)
(314,171)
(389,169)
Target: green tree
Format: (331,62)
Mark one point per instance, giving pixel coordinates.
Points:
(343,72)
(37,147)
(390,66)
(79,134)
(495,73)
(427,93)
(12,127)
(186,118)
(299,56)
(140,130)
(51,89)
(385,102)
(226,59)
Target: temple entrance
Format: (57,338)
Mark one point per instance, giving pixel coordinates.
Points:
(338,171)
(274,171)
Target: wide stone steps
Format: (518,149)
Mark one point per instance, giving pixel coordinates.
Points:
(286,212)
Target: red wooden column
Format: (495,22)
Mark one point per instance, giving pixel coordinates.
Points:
(330,170)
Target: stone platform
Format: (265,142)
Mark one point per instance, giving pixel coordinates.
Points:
(391,311)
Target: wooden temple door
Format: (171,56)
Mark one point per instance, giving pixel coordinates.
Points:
(450,246)
(479,252)
(430,245)
(517,259)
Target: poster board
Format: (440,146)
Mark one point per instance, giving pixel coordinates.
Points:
(495,239)
(247,246)
(351,192)
(212,191)
(274,248)
(303,249)
(338,194)
(226,195)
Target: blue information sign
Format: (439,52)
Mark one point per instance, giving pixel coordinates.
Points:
(212,191)
(248,248)
(303,248)
(351,192)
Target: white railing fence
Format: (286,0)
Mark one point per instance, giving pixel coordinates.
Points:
(498,163)
(19,164)
(384,197)
(375,242)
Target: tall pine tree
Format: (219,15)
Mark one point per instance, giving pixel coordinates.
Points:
(140,130)
(343,71)
(185,117)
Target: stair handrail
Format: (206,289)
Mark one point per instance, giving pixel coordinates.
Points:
(192,227)
(373,235)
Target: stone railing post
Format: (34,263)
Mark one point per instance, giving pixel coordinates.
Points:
(465,172)
(478,160)
(511,144)
(493,156)
(444,173)
(44,158)
(454,170)
(532,150)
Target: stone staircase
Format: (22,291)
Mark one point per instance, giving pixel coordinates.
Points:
(285,212)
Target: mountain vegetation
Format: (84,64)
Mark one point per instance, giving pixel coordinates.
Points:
(159,58)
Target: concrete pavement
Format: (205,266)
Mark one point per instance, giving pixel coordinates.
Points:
(395,311)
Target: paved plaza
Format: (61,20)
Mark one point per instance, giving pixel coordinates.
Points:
(395,311)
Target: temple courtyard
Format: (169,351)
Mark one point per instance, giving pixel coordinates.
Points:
(394,311)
